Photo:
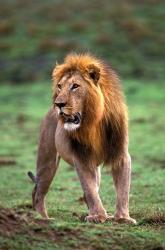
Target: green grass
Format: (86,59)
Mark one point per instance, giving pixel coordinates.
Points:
(129,34)
(21,110)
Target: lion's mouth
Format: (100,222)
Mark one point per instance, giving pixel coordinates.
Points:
(75,119)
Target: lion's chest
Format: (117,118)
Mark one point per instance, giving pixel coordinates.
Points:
(70,148)
(63,145)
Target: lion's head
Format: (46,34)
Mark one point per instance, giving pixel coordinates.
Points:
(77,92)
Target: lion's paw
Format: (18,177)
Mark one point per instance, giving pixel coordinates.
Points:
(96,218)
(121,220)
(126,220)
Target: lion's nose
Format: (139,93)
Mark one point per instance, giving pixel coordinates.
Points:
(60,104)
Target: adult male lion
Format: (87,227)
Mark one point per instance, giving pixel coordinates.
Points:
(86,126)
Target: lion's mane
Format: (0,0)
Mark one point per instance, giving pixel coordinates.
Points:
(108,137)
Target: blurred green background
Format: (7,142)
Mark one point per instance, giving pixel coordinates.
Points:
(33,36)
(36,34)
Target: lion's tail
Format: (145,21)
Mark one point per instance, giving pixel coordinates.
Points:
(32,177)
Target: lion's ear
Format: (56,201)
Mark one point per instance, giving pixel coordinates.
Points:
(94,73)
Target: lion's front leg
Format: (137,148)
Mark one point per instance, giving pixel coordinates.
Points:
(122,176)
(89,182)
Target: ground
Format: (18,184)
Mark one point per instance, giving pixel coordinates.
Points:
(21,110)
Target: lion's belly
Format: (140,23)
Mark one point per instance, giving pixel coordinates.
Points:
(62,144)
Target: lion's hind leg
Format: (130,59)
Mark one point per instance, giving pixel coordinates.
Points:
(44,177)
(47,164)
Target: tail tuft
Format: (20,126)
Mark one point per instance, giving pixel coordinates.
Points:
(32,177)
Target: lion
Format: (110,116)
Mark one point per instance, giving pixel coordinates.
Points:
(87,126)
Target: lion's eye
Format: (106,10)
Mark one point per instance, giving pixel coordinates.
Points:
(59,86)
(74,86)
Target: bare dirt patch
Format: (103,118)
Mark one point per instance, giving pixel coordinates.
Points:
(14,221)
(21,221)
(157,218)
(6,161)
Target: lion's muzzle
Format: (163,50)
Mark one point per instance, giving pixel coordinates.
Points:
(76,118)
(71,122)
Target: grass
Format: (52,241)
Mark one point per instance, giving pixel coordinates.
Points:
(21,110)
(34,35)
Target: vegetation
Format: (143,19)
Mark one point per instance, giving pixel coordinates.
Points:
(21,110)
(36,34)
